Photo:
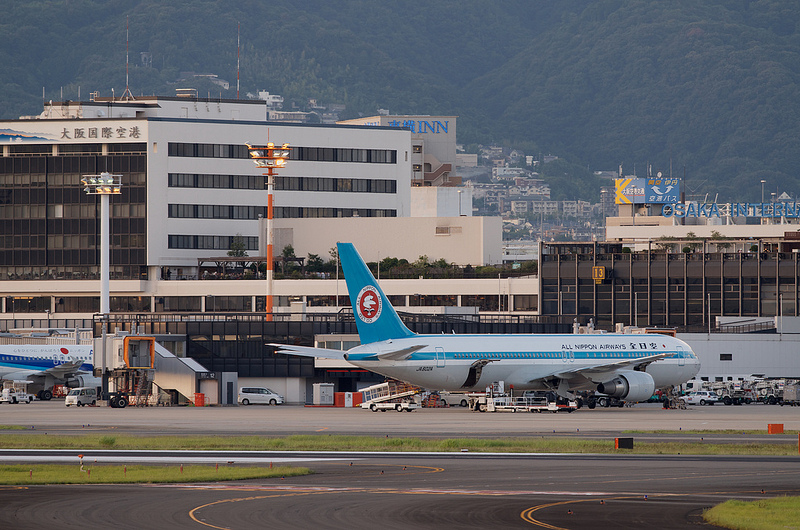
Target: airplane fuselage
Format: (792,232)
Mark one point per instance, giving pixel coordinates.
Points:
(471,362)
(16,359)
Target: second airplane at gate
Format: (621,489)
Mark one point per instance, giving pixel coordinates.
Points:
(624,366)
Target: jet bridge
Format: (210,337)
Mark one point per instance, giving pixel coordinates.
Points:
(143,372)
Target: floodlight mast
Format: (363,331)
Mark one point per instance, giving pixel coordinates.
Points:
(105,184)
(271,158)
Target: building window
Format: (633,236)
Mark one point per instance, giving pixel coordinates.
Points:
(297,212)
(201,180)
(171,304)
(337,185)
(306,154)
(417,149)
(209,242)
(725,356)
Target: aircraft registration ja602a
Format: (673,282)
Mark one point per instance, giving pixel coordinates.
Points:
(624,366)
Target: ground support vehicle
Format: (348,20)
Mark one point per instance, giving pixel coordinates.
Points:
(391,395)
(738,397)
(769,391)
(791,395)
(505,403)
(604,402)
(454,399)
(15,392)
(733,392)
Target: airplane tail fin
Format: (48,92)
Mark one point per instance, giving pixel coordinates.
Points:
(376,319)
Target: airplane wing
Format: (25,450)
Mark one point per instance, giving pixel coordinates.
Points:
(21,375)
(602,368)
(62,370)
(400,355)
(59,372)
(589,373)
(308,351)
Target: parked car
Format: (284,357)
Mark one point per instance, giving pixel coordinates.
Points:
(256,395)
(81,396)
(701,397)
(452,399)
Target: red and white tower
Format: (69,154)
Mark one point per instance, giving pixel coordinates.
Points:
(271,158)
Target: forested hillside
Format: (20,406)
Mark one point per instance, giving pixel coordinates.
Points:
(708,85)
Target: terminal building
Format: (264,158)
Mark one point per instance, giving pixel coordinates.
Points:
(189,190)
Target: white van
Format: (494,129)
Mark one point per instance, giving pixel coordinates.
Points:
(84,395)
(248,395)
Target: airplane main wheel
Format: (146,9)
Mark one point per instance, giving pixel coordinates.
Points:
(46,395)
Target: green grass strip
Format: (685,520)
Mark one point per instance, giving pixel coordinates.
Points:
(766,514)
(22,474)
(310,442)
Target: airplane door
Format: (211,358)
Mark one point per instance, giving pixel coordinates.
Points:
(439,357)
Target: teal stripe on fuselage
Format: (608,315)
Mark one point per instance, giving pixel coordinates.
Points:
(553,355)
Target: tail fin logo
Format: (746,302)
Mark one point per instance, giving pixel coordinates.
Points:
(369,304)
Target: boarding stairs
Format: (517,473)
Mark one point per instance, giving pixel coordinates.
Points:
(389,391)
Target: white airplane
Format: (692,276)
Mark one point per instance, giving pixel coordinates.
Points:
(47,365)
(625,366)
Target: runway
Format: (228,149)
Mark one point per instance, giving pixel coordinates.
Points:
(429,491)
(387,491)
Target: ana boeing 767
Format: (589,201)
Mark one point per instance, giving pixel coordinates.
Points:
(629,367)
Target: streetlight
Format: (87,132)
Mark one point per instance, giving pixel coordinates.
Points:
(105,184)
(762,190)
(270,158)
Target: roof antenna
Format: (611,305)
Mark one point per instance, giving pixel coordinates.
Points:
(238,26)
(127,94)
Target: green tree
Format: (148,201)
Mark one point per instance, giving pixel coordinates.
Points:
(238,248)
(314,263)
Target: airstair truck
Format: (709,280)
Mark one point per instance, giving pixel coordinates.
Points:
(391,395)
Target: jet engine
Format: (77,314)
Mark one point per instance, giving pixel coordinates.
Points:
(83,380)
(629,386)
